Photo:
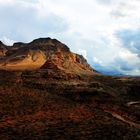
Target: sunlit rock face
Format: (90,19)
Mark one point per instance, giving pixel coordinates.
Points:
(44,53)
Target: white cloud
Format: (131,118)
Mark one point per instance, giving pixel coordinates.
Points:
(87,26)
(128,56)
(7,41)
(96,60)
(82,52)
(6,1)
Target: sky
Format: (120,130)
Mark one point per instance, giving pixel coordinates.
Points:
(105,32)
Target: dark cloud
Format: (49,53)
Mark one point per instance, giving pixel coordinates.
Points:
(111,69)
(122,64)
(130,39)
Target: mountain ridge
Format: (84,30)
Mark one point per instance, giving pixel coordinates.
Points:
(24,56)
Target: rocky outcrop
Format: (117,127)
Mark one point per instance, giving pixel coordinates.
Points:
(44,53)
(3,49)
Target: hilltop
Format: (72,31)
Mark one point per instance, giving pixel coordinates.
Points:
(45,53)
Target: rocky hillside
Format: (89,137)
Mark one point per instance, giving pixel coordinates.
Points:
(49,93)
(3,49)
(44,53)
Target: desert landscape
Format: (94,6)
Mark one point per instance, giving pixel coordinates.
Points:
(48,92)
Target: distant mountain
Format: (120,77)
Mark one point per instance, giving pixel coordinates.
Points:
(110,72)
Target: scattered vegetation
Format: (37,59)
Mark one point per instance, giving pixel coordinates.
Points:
(36,107)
